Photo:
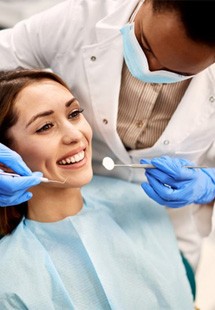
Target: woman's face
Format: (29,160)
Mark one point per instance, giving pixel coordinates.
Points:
(51,134)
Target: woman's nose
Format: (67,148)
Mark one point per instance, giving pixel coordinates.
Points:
(71,134)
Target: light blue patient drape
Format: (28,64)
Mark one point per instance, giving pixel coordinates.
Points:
(119,252)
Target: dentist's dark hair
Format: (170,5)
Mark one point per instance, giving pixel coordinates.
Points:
(11,84)
(197,17)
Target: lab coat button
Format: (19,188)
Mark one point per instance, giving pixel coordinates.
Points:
(139,124)
(105,121)
(212,99)
(93,58)
(166,142)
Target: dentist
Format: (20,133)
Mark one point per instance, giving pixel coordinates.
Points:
(144,73)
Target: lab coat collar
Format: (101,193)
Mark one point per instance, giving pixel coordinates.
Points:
(110,24)
(195,107)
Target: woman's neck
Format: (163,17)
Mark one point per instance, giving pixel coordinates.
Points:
(54,204)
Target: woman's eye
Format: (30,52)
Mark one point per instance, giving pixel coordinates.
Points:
(75,113)
(45,127)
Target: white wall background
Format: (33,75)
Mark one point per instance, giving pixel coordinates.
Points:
(12,11)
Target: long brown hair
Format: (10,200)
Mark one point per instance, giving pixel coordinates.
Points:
(11,83)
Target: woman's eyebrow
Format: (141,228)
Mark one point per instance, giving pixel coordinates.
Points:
(71,101)
(46,113)
(42,114)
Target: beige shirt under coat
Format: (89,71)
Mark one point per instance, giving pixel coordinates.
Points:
(145,109)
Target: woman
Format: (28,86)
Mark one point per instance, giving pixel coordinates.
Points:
(70,250)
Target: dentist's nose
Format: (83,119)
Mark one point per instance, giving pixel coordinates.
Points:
(154,64)
(71,134)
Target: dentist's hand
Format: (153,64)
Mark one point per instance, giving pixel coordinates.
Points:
(14,190)
(173,185)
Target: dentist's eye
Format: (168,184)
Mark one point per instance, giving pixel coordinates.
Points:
(146,49)
(75,113)
(45,127)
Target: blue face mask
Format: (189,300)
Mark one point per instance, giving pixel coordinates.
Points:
(137,63)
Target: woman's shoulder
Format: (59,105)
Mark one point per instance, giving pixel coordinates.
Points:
(11,244)
(20,254)
(116,191)
(16,247)
(10,251)
(122,199)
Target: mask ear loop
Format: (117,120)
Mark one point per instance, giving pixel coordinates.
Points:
(133,15)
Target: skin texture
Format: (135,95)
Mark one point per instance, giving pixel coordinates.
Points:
(57,132)
(166,45)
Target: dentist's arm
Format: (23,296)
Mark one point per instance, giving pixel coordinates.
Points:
(14,190)
(173,185)
(36,42)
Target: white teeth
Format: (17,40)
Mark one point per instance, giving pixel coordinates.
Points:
(73,159)
(77,158)
(68,161)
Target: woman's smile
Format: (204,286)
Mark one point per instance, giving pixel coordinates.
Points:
(72,159)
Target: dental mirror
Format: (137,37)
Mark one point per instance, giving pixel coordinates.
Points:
(109,164)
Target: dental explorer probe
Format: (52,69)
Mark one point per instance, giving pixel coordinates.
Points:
(44,180)
(109,164)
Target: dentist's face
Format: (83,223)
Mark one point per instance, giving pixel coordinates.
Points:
(52,134)
(164,41)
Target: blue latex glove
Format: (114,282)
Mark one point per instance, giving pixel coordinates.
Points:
(175,186)
(13,190)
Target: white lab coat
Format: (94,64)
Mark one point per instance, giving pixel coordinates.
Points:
(80,40)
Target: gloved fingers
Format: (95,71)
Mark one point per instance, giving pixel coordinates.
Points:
(37,174)
(13,160)
(159,173)
(11,185)
(145,161)
(175,186)
(18,198)
(164,202)
(210,172)
(151,193)
(174,167)
(168,193)
(19,167)
(162,177)
(163,190)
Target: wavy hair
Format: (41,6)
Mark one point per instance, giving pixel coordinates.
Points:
(11,84)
